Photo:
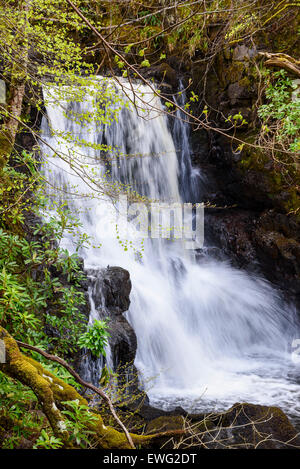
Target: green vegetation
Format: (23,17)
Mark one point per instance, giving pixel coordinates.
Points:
(45,441)
(281,114)
(79,419)
(38,280)
(95,339)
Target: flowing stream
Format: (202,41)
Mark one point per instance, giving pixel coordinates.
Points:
(208,335)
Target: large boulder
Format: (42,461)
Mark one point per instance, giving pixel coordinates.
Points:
(243,426)
(257,427)
(111,288)
(109,291)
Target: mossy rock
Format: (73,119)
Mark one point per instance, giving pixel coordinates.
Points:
(165,423)
(163,73)
(270,181)
(260,427)
(230,73)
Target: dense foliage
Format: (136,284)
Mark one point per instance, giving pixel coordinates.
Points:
(281,113)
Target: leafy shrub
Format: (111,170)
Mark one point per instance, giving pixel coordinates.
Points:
(281,114)
(95,338)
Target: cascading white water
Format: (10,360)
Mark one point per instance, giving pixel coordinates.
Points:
(208,335)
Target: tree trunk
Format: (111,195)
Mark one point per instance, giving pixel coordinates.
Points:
(17,89)
(51,392)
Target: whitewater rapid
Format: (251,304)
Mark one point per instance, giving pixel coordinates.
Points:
(208,335)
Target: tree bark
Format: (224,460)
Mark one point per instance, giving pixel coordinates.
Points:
(51,392)
(17,90)
(282,61)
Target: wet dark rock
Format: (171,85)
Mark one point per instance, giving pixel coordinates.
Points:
(258,232)
(237,92)
(210,252)
(281,257)
(256,426)
(149,413)
(123,342)
(273,221)
(111,288)
(267,243)
(164,73)
(243,426)
(231,231)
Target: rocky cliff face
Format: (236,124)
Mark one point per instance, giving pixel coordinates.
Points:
(259,230)
(108,291)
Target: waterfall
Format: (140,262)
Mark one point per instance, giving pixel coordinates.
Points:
(208,335)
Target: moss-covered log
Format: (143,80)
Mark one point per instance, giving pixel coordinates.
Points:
(290,64)
(51,392)
(31,374)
